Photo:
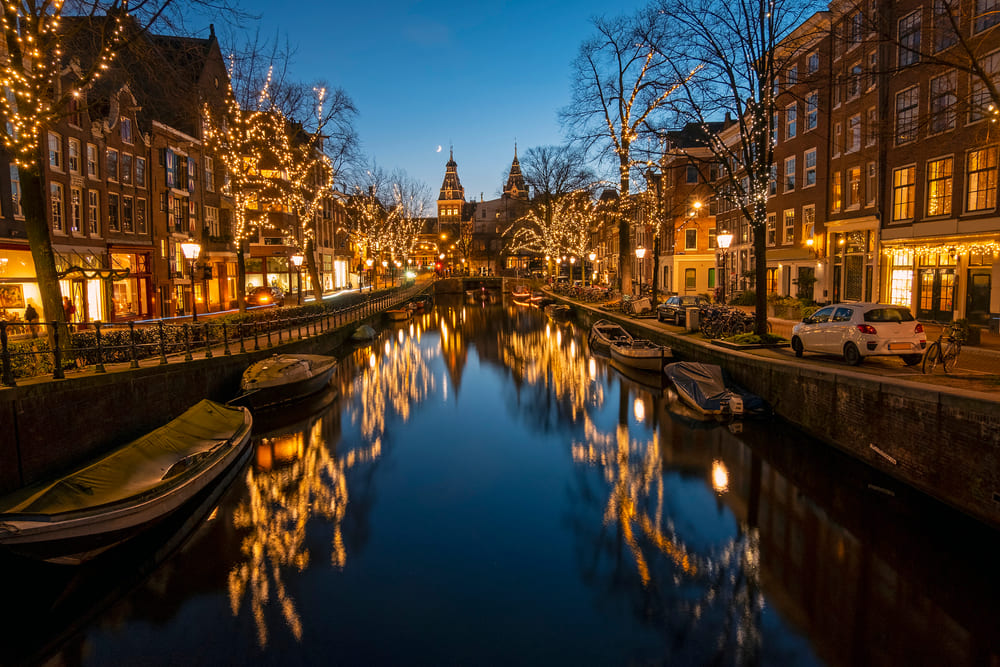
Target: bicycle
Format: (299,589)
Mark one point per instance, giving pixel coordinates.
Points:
(944,350)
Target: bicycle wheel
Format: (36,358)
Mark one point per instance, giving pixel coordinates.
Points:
(931,357)
(950,356)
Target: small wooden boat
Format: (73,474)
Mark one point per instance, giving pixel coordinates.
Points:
(705,388)
(121,495)
(605,332)
(398,314)
(363,334)
(285,377)
(520,294)
(559,311)
(540,299)
(641,354)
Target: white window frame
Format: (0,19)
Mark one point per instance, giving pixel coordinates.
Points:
(809,171)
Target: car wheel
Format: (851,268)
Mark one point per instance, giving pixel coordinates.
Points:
(851,354)
(912,359)
(797,346)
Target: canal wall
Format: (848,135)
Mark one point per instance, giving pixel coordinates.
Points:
(944,442)
(48,426)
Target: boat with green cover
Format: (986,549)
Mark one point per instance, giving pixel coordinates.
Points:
(129,490)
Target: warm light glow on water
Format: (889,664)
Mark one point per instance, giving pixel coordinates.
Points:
(482,471)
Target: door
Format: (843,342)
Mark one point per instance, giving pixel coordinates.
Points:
(977,303)
(936,294)
(811,333)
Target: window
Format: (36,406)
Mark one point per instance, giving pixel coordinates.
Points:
(15,192)
(140,215)
(789,173)
(789,220)
(690,279)
(810,168)
(192,171)
(170,165)
(836,192)
(55,151)
(772,181)
(854,187)
(979,96)
(944,32)
(128,216)
(854,133)
(791,113)
(126,129)
(792,76)
(872,73)
(838,138)
(212,220)
(808,222)
(903,187)
(939,183)
(772,229)
(856,29)
(711,239)
(812,110)
(126,169)
(906,115)
(92,161)
(140,172)
(774,129)
(871,187)
(56,195)
(872,135)
(111,165)
(854,81)
(812,62)
(943,99)
(690,239)
(908,34)
(987,14)
(93,208)
(75,209)
(981,168)
(692,174)
(114,224)
(209,174)
(73,156)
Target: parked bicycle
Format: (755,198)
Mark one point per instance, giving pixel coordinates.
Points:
(944,350)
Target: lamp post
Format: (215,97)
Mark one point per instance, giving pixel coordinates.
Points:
(385,265)
(369,263)
(640,252)
(724,239)
(191,250)
(297,261)
(592,256)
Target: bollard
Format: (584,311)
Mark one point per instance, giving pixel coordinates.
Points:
(208,340)
(131,338)
(57,371)
(256,329)
(269,344)
(99,366)
(7,373)
(243,335)
(187,343)
(225,341)
(163,345)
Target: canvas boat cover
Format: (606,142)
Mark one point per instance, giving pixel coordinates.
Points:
(285,369)
(702,384)
(150,465)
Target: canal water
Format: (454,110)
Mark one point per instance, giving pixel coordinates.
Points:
(480,488)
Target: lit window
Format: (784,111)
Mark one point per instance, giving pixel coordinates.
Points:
(903,190)
(981,173)
(939,184)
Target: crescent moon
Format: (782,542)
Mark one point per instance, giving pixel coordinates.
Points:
(438,149)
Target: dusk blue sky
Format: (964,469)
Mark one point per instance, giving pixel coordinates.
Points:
(476,75)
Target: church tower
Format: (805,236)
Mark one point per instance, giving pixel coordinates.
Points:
(452,198)
(515,188)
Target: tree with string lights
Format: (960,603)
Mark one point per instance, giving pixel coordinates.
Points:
(46,77)
(620,79)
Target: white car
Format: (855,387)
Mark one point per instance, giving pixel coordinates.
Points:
(859,330)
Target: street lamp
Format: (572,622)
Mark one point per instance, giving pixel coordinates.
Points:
(572,261)
(385,272)
(724,239)
(297,261)
(592,256)
(640,252)
(369,262)
(191,250)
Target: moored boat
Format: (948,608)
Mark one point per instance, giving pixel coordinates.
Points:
(540,299)
(706,389)
(398,314)
(363,334)
(124,493)
(558,311)
(285,377)
(520,294)
(605,332)
(641,354)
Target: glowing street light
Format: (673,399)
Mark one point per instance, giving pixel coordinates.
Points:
(640,252)
(724,239)
(191,249)
(297,262)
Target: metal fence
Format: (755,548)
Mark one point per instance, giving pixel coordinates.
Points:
(25,350)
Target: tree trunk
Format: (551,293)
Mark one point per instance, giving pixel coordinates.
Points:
(624,226)
(36,224)
(760,281)
(241,275)
(313,271)
(656,268)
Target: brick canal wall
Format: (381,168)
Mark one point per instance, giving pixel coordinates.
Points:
(48,426)
(944,442)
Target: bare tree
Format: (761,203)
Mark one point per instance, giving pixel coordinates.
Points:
(620,79)
(411,201)
(737,49)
